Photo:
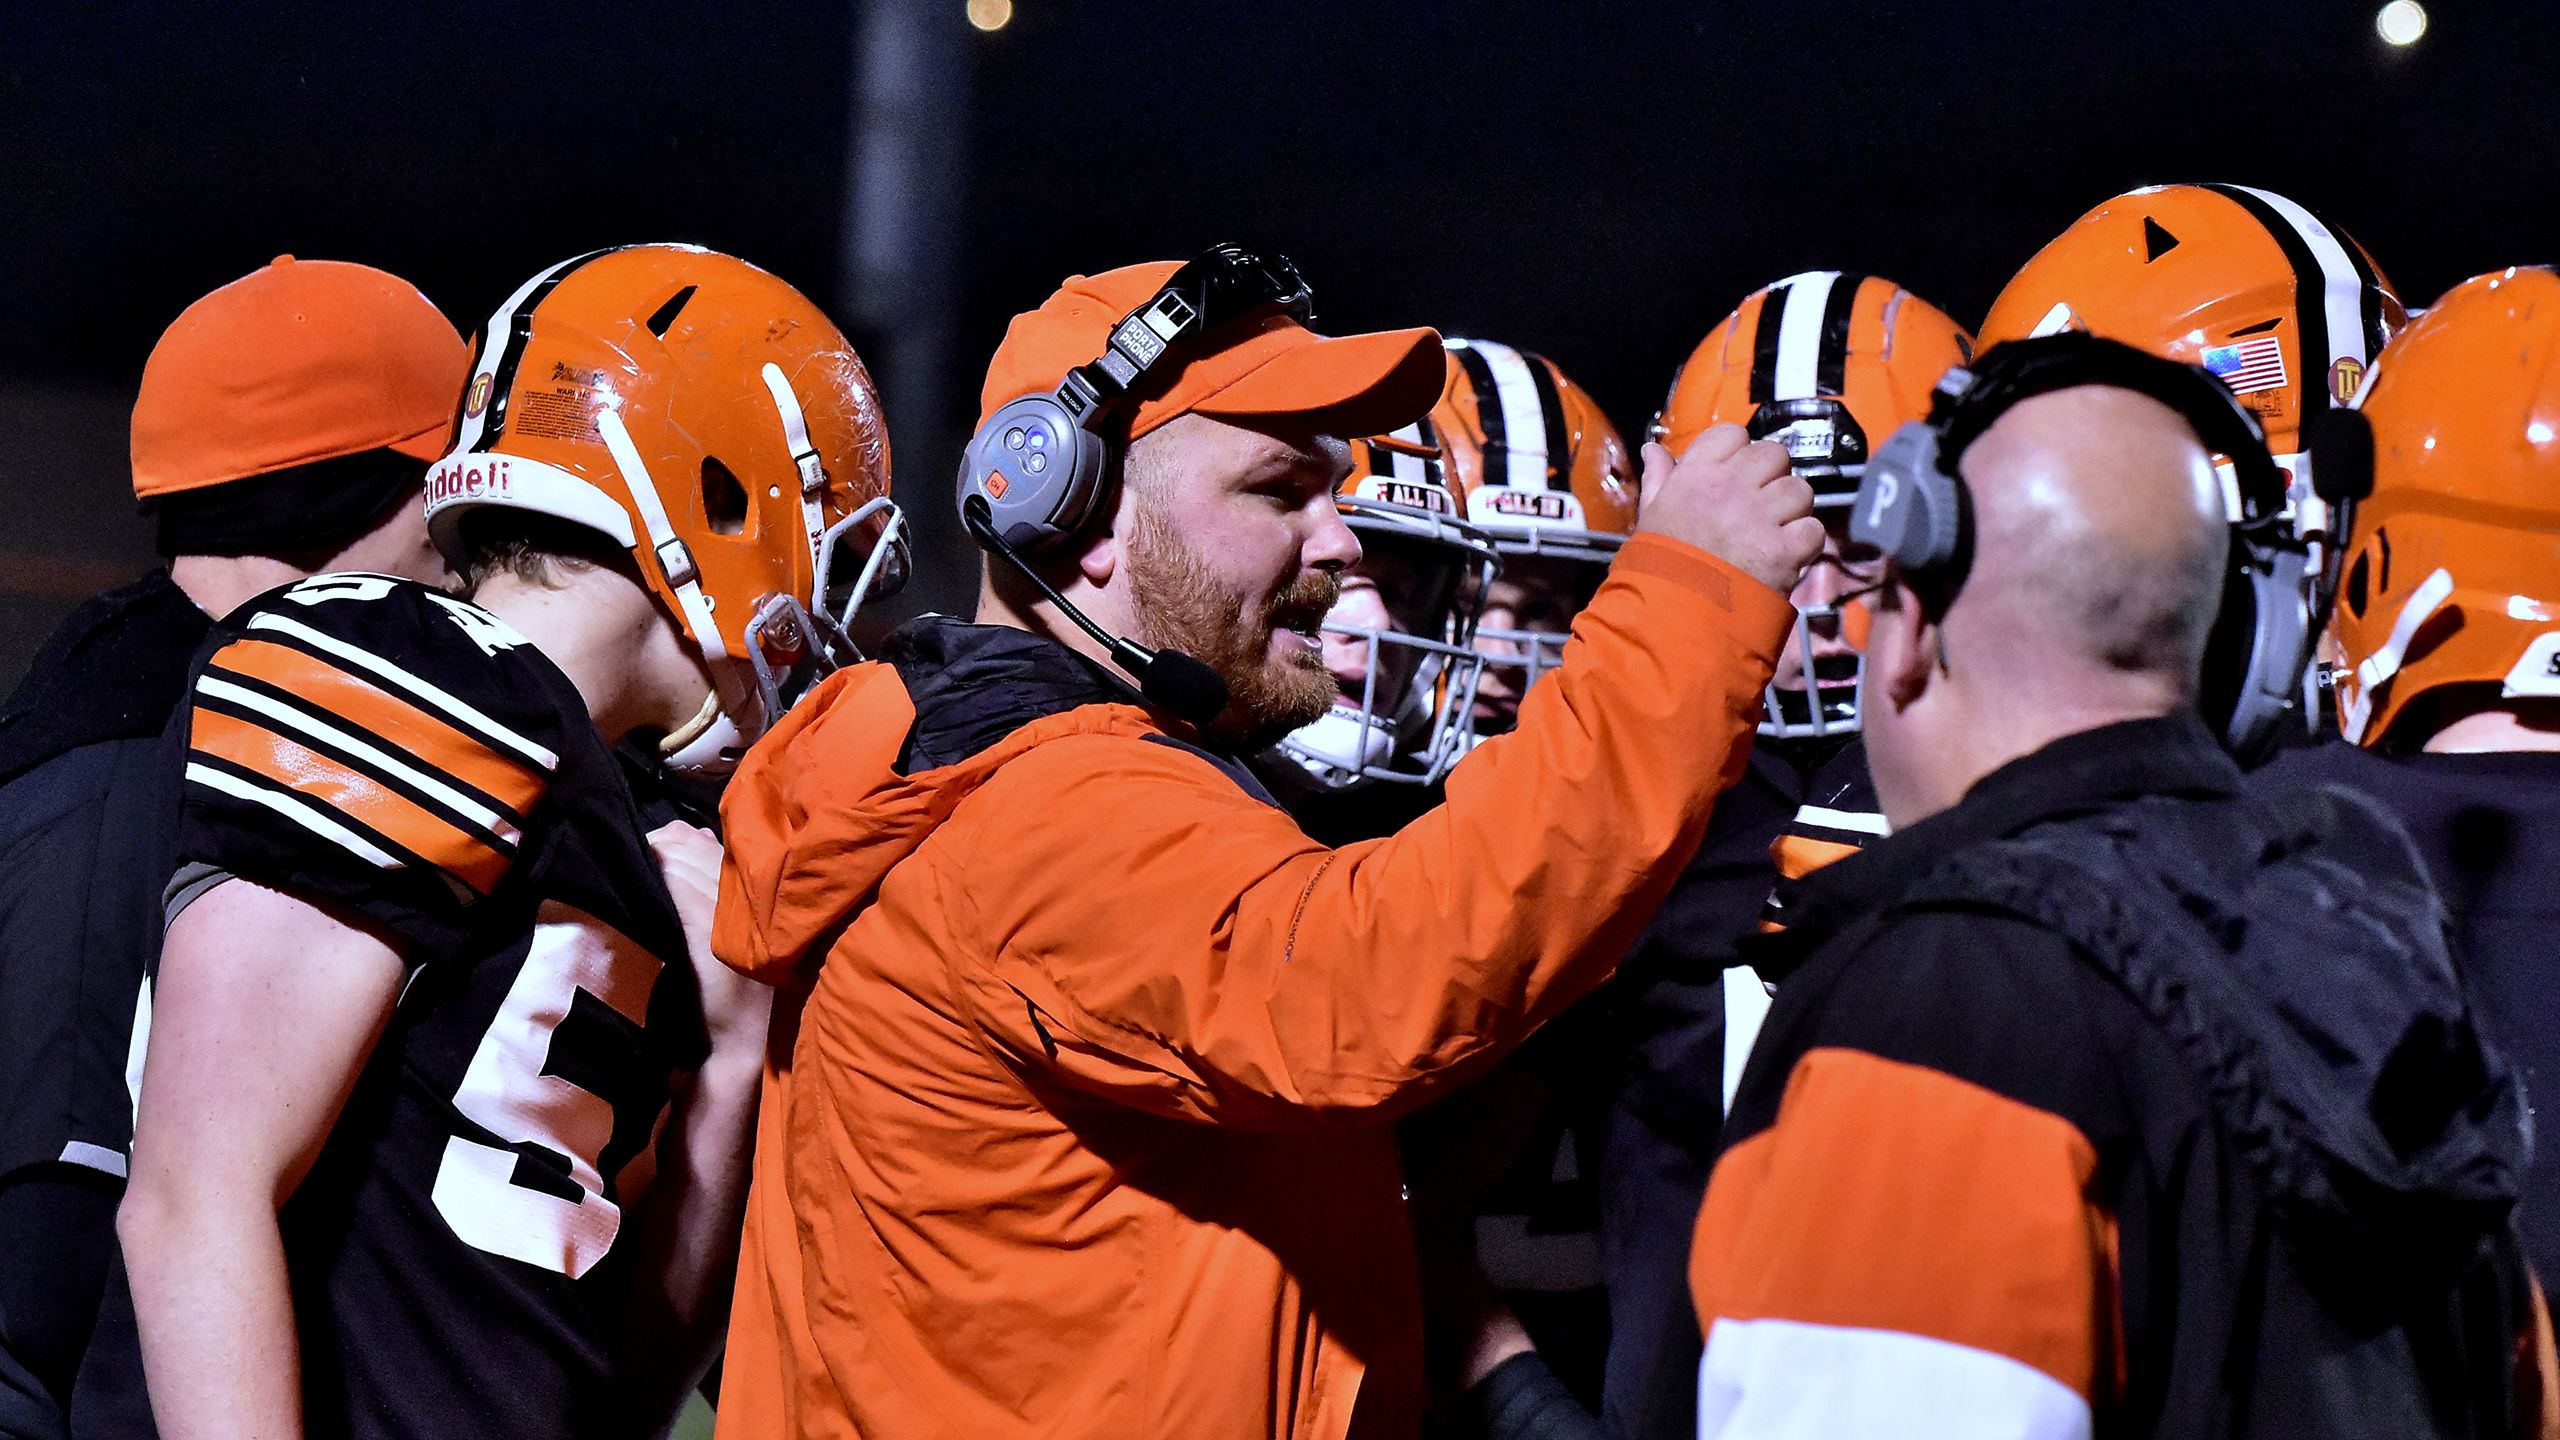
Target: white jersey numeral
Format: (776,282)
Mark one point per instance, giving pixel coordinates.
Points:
(487,631)
(506,1089)
(321,589)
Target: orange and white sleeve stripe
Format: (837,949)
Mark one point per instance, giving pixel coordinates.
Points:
(1904,1253)
(363,754)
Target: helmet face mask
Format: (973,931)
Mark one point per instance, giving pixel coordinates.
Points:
(792,644)
(1400,640)
(1826,704)
(1538,593)
(707,417)
(1823,363)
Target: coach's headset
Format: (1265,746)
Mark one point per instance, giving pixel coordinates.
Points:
(1913,506)
(1035,472)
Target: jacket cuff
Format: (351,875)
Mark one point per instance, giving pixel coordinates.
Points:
(1523,1400)
(1719,583)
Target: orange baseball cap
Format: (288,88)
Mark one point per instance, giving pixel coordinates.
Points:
(1270,365)
(302,361)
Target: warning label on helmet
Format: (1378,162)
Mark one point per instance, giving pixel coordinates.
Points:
(561,412)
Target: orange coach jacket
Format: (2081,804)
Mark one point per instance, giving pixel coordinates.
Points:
(1080,1127)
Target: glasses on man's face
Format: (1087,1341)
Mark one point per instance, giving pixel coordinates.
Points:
(1847,598)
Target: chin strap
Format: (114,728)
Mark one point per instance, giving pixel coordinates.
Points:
(732,694)
(804,456)
(705,746)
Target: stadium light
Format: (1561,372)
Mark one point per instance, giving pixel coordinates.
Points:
(2402,22)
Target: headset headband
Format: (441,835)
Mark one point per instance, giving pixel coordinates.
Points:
(1224,283)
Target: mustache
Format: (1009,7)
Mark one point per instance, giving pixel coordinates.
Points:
(1309,597)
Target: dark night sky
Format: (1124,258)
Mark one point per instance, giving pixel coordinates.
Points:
(1600,182)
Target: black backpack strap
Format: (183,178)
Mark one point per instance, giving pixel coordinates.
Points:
(2157,957)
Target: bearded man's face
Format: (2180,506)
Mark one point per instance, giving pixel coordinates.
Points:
(1234,553)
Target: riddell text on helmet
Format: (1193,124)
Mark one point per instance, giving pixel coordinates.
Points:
(473,477)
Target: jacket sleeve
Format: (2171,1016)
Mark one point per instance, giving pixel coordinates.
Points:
(1913,1243)
(1141,927)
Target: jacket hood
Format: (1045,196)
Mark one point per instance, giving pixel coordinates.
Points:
(2296,955)
(2394,1124)
(862,771)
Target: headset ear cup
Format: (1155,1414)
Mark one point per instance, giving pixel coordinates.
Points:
(1906,507)
(1038,471)
(2259,649)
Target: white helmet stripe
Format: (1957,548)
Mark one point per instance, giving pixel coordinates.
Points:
(2341,288)
(1800,335)
(1523,424)
(495,341)
(1409,469)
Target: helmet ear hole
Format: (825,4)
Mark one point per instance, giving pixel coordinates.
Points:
(724,500)
(2356,593)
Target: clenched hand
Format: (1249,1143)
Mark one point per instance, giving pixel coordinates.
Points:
(1734,498)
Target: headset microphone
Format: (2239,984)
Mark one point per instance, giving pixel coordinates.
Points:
(1175,682)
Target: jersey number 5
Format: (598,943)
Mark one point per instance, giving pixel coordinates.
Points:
(543,1201)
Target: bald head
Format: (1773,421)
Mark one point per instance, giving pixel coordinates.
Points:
(2100,544)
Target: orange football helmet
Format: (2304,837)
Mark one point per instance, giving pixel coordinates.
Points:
(1535,462)
(1401,640)
(1538,467)
(708,418)
(1827,363)
(2288,310)
(2453,570)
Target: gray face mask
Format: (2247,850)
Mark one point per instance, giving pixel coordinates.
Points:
(1404,720)
(1828,703)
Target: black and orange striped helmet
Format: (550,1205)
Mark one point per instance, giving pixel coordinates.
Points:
(1535,462)
(2287,309)
(2452,589)
(1403,656)
(711,420)
(1538,467)
(1827,363)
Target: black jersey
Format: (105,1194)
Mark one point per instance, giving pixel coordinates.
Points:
(458,1252)
(1684,1017)
(2488,827)
(1801,805)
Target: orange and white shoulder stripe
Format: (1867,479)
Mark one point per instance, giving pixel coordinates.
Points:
(1819,835)
(363,754)
(1904,1253)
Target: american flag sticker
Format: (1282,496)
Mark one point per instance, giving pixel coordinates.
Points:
(2256,363)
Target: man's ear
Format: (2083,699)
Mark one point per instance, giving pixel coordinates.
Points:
(1098,555)
(1099,560)
(1902,645)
